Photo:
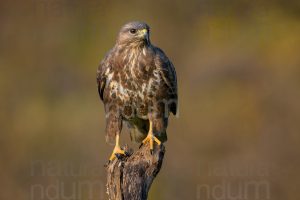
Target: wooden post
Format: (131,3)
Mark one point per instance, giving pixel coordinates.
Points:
(130,178)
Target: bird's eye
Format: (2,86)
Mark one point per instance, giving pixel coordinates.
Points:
(133,31)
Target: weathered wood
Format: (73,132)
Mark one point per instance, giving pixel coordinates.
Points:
(130,177)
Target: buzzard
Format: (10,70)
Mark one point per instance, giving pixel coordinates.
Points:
(138,86)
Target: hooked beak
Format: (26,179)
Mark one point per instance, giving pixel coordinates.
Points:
(144,33)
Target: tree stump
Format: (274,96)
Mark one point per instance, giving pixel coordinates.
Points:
(130,177)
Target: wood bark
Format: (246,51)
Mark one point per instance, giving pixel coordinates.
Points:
(130,177)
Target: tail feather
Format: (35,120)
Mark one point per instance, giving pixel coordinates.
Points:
(136,135)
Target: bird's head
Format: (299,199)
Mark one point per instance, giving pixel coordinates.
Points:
(134,34)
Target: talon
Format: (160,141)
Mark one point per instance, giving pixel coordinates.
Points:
(117,152)
(141,145)
(119,156)
(127,154)
(151,138)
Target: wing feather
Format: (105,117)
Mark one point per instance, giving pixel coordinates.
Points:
(168,75)
(102,74)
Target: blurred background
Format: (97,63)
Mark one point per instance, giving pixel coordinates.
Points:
(238,67)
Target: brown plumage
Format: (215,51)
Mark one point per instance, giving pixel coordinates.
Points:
(137,84)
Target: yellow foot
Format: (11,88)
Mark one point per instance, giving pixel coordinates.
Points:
(117,151)
(151,138)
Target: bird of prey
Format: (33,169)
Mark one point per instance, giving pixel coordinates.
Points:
(138,86)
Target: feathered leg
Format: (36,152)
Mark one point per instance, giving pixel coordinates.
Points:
(113,130)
